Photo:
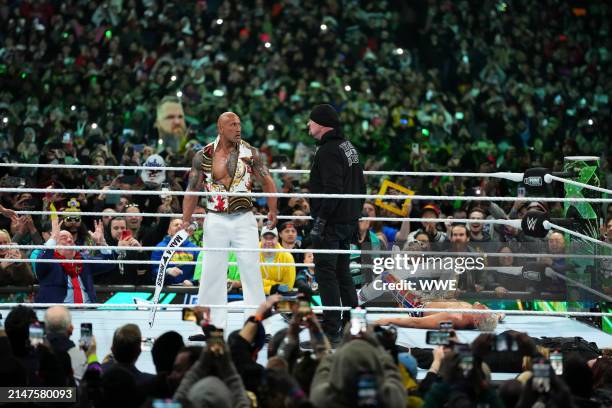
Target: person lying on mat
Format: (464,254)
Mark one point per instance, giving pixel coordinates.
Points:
(461,321)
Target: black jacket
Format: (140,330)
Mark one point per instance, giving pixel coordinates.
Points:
(336,169)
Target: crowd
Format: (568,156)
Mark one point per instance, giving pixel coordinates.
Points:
(369,368)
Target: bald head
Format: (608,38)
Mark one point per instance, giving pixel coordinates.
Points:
(228,126)
(58,320)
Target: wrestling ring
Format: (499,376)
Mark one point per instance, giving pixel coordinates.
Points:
(548,319)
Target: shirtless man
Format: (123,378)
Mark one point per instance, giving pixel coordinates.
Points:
(461,321)
(227,164)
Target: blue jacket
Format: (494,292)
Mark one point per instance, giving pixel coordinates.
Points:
(53,280)
(177,258)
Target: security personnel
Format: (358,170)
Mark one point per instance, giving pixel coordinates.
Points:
(336,169)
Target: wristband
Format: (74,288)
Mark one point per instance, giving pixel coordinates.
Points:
(258,317)
(92,358)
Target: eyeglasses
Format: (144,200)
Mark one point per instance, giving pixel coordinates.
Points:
(72,219)
(131,205)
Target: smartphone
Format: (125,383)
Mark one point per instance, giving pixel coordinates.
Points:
(304,308)
(541,377)
(285,305)
(37,333)
(446,326)
(125,235)
(189,315)
(438,337)
(358,323)
(147,343)
(520,191)
(86,333)
(214,335)
(556,362)
(164,187)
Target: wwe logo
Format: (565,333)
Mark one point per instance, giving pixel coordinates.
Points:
(533,181)
(531,223)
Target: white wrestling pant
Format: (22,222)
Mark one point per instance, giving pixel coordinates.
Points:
(238,230)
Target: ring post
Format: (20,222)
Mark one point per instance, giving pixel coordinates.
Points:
(588,271)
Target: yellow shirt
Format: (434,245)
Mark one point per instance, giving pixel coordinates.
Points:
(273,275)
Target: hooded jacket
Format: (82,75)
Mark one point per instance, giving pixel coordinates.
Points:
(336,169)
(335,383)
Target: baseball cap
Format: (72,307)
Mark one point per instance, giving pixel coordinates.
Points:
(265,230)
(431,207)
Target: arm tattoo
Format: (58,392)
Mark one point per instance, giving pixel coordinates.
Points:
(232,162)
(260,170)
(195,174)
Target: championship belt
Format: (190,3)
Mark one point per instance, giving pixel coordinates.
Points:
(175,242)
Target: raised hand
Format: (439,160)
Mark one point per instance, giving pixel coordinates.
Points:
(98,234)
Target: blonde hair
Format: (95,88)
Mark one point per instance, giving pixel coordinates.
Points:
(487,323)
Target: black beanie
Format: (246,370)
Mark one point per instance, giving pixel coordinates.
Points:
(325,115)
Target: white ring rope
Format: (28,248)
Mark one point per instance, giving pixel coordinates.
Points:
(149,262)
(549,177)
(307,250)
(280,217)
(302,195)
(580,285)
(505,175)
(548,224)
(293,250)
(242,307)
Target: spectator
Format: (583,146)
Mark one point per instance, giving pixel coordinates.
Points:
(125,274)
(275,275)
(288,240)
(164,352)
(69,280)
(177,273)
(477,233)
(13,273)
(125,352)
(430,228)
(358,362)
(58,329)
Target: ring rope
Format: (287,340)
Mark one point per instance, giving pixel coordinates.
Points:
(303,251)
(577,234)
(505,175)
(580,285)
(106,306)
(576,183)
(280,217)
(302,195)
(229,249)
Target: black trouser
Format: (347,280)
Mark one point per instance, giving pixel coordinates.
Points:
(333,275)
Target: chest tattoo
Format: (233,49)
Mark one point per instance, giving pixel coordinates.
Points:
(232,162)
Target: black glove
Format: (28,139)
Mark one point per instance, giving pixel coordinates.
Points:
(317,231)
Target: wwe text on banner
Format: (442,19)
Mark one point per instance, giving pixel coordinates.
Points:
(176,241)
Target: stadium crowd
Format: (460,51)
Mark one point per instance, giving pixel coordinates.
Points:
(368,368)
(438,85)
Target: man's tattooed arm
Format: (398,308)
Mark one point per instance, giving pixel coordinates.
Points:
(196,177)
(262,174)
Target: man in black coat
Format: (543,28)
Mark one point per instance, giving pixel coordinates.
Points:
(336,169)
